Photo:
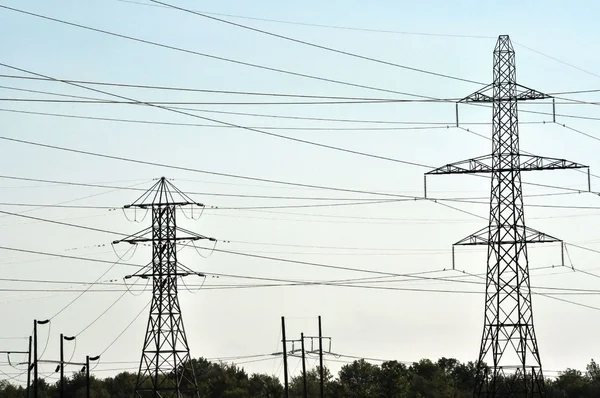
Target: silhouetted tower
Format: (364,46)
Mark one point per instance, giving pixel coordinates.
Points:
(165,367)
(508,344)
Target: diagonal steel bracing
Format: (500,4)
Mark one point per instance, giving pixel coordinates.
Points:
(165,367)
(509,358)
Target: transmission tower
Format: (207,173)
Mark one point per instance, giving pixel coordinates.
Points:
(165,367)
(508,342)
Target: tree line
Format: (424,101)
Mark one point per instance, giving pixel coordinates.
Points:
(445,378)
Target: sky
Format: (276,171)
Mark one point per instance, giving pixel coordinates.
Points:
(413,320)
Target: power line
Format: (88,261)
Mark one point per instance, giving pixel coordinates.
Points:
(231,124)
(289,282)
(228,275)
(364,30)
(179,49)
(125,329)
(184,89)
(348,202)
(213,120)
(164,123)
(579,132)
(444,124)
(88,288)
(321,47)
(89,325)
(325,26)
(558,60)
(569,101)
(189,169)
(238,62)
(60,223)
(213,91)
(204,103)
(103,186)
(234,253)
(130,160)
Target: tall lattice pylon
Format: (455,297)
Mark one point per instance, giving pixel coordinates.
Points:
(165,367)
(508,346)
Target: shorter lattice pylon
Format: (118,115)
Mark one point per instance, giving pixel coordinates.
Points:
(165,367)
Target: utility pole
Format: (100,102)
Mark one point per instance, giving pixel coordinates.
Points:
(87,374)
(303,357)
(321,371)
(286,387)
(62,362)
(28,352)
(303,366)
(320,351)
(29,366)
(508,340)
(35,355)
(85,367)
(165,366)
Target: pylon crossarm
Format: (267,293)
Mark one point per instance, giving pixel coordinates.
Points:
(136,240)
(468,166)
(479,95)
(133,237)
(172,274)
(526,94)
(533,162)
(149,205)
(194,236)
(480,237)
(533,236)
(140,272)
(183,269)
(530,94)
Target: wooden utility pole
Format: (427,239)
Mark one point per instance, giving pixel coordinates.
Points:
(321,371)
(303,366)
(35,355)
(286,387)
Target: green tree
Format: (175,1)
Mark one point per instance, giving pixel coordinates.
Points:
(572,383)
(264,386)
(392,380)
(358,379)
(122,385)
(313,382)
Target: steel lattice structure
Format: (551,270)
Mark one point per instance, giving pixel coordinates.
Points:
(165,368)
(508,345)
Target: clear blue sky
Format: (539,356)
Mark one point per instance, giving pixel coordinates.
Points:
(412,236)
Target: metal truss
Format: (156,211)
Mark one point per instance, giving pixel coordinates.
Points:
(509,358)
(165,367)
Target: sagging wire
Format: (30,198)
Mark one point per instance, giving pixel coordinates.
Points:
(10,363)
(134,215)
(92,284)
(127,327)
(102,314)
(569,258)
(191,217)
(201,285)
(73,353)
(182,246)
(47,338)
(96,364)
(133,284)
(121,257)
(14,378)
(211,250)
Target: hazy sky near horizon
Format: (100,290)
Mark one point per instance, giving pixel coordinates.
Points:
(555,52)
